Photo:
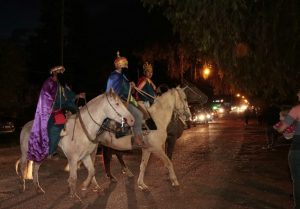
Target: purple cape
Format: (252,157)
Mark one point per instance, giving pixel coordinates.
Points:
(38,145)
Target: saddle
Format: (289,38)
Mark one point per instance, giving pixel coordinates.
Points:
(123,130)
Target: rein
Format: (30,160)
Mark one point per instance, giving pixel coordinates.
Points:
(144,93)
(100,125)
(85,130)
(180,111)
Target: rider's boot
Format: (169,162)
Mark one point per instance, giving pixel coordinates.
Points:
(138,142)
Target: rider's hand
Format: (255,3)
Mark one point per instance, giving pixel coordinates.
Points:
(81,95)
(132,85)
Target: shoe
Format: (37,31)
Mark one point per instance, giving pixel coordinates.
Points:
(138,143)
(53,156)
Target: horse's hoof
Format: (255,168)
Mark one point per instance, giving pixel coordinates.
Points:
(112,179)
(127,172)
(144,188)
(40,191)
(98,189)
(175,184)
(76,196)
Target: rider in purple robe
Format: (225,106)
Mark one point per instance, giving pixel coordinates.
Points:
(53,96)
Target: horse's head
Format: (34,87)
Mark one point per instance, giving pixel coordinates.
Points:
(181,104)
(116,110)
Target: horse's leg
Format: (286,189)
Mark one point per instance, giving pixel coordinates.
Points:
(36,182)
(88,163)
(73,177)
(22,163)
(107,155)
(125,169)
(94,181)
(167,162)
(143,166)
(170,144)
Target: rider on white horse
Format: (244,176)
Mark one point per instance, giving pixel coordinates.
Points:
(122,86)
(49,119)
(147,86)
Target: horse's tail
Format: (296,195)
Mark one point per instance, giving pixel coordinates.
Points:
(26,172)
(17,166)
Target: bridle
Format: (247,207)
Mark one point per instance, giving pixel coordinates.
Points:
(184,111)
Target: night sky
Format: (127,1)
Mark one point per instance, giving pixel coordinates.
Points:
(113,25)
(18,14)
(119,22)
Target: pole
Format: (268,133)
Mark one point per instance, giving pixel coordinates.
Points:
(62,33)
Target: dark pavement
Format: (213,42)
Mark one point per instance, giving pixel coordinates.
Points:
(220,165)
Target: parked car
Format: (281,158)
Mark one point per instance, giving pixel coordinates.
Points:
(7,125)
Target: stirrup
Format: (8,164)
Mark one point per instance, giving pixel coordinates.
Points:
(146,132)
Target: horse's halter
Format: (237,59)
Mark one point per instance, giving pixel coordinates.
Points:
(122,118)
(184,111)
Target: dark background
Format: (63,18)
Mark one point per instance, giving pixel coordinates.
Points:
(31,37)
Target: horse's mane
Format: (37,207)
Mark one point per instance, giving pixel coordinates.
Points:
(95,99)
(161,99)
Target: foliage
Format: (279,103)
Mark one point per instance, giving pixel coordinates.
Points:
(12,79)
(253,43)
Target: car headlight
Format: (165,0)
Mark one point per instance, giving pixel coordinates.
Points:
(208,116)
(221,110)
(201,117)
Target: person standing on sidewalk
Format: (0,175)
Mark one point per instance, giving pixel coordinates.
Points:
(294,151)
(271,117)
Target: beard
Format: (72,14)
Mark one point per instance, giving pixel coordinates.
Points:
(61,79)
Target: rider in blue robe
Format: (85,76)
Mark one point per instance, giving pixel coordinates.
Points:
(121,85)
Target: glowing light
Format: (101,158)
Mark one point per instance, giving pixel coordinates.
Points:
(221,110)
(206,71)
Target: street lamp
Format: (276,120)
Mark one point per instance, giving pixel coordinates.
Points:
(206,71)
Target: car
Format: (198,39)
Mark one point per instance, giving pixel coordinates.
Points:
(200,115)
(7,125)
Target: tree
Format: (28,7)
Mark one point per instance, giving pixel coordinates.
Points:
(13,78)
(249,41)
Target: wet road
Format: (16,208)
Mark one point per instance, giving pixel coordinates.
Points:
(220,165)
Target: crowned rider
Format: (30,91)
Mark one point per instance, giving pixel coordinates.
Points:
(55,96)
(123,87)
(146,85)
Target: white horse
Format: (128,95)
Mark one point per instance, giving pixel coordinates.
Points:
(174,100)
(77,141)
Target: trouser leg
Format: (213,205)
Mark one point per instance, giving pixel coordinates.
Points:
(294,164)
(138,116)
(54,135)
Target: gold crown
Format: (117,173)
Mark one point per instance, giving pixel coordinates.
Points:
(58,69)
(120,62)
(148,67)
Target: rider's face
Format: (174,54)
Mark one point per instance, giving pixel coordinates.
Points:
(61,79)
(148,74)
